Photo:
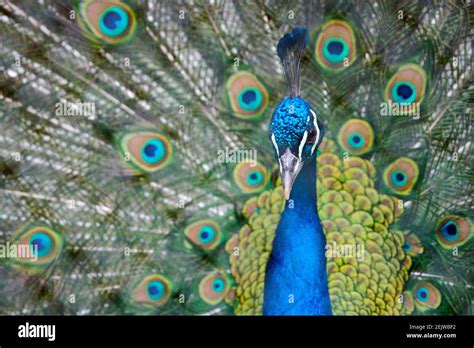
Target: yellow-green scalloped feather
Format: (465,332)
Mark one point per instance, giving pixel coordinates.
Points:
(354,215)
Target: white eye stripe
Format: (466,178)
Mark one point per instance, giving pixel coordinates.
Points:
(275,145)
(302,144)
(277,151)
(318,132)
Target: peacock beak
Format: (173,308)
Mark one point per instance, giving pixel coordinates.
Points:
(290,166)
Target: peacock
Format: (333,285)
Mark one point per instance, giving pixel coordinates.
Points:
(227,157)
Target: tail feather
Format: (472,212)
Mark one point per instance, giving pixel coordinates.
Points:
(137,229)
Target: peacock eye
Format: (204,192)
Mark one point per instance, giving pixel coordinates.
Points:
(154,289)
(403,92)
(422,294)
(111,21)
(401,176)
(453,231)
(218,285)
(146,151)
(213,288)
(427,296)
(356,136)
(250,98)
(43,241)
(153,151)
(250,178)
(407,85)
(246,95)
(255,178)
(335,50)
(356,140)
(336,46)
(204,233)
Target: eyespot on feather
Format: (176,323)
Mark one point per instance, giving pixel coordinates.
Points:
(250,178)
(204,233)
(246,95)
(407,86)
(146,151)
(401,176)
(356,136)
(427,296)
(111,21)
(39,244)
(213,288)
(453,231)
(336,45)
(154,290)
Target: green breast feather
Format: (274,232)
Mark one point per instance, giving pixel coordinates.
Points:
(367,264)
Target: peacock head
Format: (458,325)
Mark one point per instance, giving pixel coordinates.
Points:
(296,134)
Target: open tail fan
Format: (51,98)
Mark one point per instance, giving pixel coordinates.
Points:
(135,158)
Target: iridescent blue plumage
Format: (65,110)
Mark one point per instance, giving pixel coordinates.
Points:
(295,278)
(114,21)
(42,242)
(290,120)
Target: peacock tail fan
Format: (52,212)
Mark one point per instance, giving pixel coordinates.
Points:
(137,177)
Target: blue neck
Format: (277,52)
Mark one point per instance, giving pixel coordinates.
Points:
(295,278)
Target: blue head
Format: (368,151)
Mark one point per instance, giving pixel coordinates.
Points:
(296,134)
(294,130)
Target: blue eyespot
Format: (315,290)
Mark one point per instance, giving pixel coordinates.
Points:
(206,234)
(403,93)
(156,290)
(356,140)
(422,294)
(250,99)
(406,246)
(399,178)
(335,50)
(114,21)
(254,178)
(450,230)
(218,285)
(42,242)
(153,151)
